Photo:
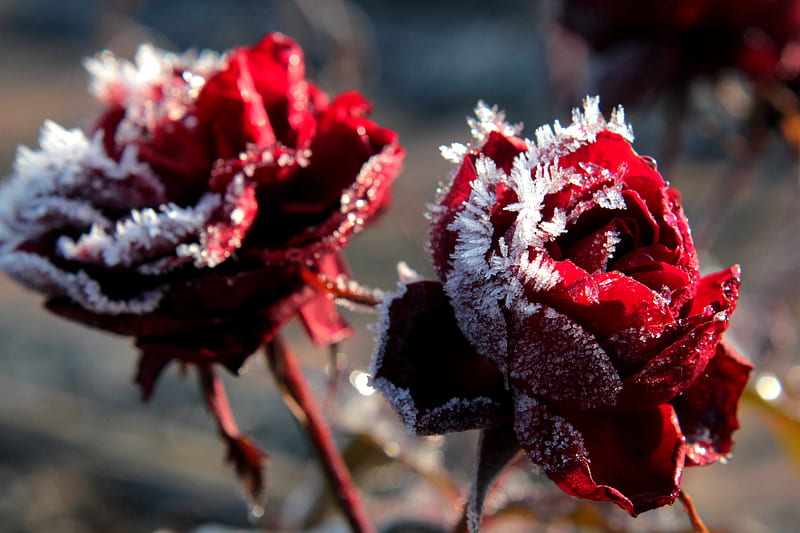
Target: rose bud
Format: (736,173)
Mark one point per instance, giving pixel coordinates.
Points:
(569,315)
(188,218)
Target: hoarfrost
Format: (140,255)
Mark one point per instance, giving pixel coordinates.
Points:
(561,361)
(488,119)
(550,440)
(156,85)
(488,271)
(140,236)
(37,273)
(66,181)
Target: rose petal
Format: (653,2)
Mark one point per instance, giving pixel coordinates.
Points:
(148,371)
(634,460)
(429,372)
(502,150)
(609,302)
(232,110)
(719,291)
(554,359)
(707,410)
(323,322)
(675,369)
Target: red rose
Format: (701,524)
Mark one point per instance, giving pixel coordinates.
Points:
(188,217)
(685,38)
(569,307)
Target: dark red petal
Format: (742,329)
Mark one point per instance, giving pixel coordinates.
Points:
(611,151)
(633,460)
(178,156)
(555,359)
(231,110)
(229,224)
(707,410)
(338,152)
(429,372)
(278,69)
(442,240)
(367,195)
(593,252)
(673,370)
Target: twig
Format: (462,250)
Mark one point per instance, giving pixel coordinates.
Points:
(298,397)
(341,289)
(688,505)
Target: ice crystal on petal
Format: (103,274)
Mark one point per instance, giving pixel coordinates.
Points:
(140,236)
(454,153)
(67,180)
(36,272)
(472,287)
(156,85)
(488,119)
(127,82)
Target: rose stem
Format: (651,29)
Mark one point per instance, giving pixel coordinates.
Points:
(301,401)
(688,505)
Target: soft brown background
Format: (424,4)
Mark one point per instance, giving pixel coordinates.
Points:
(80,453)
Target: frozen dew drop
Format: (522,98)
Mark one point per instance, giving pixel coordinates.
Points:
(435,440)
(391,449)
(256,511)
(360,380)
(768,386)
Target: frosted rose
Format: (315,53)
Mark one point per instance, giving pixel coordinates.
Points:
(569,308)
(185,219)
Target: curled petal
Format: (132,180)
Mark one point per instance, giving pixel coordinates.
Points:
(719,291)
(429,372)
(707,410)
(673,370)
(610,302)
(635,460)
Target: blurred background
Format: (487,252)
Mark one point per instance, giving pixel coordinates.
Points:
(80,453)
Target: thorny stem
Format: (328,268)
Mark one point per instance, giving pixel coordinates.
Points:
(301,401)
(688,505)
(341,290)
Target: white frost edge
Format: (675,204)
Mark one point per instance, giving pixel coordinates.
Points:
(131,85)
(37,273)
(43,177)
(144,230)
(111,76)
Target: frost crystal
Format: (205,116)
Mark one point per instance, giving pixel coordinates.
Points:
(143,235)
(37,273)
(65,182)
(157,84)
